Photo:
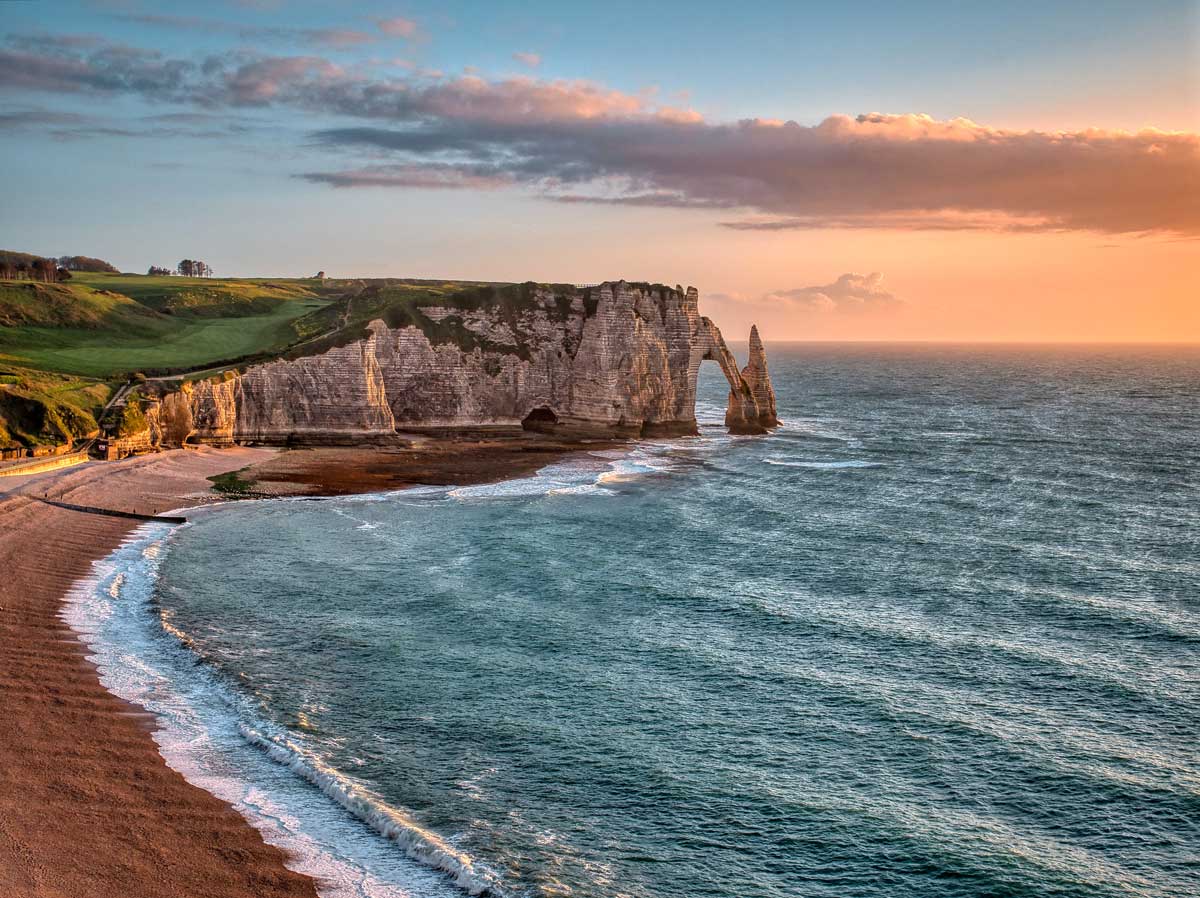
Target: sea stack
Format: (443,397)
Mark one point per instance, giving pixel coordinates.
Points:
(756,376)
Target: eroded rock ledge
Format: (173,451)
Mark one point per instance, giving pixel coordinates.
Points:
(617,359)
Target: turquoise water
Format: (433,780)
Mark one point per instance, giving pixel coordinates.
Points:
(937,636)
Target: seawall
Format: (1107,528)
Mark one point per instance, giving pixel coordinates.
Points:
(40,465)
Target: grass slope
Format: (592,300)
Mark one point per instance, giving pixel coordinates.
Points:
(105,325)
(201,297)
(37,408)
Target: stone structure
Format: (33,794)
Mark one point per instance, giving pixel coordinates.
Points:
(617,359)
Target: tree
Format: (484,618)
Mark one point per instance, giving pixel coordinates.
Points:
(7,271)
(85,263)
(194,268)
(44,270)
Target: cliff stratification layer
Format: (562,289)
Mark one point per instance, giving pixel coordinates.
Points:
(617,359)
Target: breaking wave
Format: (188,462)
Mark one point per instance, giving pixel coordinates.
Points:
(418,841)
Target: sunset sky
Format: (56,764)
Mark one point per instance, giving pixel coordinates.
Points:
(932,171)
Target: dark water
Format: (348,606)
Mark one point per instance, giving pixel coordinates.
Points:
(938,636)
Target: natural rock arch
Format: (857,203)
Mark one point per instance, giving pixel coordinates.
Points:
(751,407)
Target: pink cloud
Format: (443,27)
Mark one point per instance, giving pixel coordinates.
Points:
(397,27)
(257,83)
(517,99)
(533,60)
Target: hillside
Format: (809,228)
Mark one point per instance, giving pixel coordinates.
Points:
(37,408)
(108,325)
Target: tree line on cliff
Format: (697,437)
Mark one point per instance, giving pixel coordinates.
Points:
(28,266)
(47,271)
(15,266)
(192,268)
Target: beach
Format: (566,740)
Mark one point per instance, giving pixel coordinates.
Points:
(87,804)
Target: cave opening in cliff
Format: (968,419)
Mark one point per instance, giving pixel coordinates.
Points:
(541,419)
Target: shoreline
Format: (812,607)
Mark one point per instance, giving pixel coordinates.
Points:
(88,804)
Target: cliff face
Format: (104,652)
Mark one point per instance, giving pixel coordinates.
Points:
(617,359)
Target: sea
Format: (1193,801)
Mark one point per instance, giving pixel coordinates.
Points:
(938,636)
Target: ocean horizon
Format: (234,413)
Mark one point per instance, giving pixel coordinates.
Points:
(937,635)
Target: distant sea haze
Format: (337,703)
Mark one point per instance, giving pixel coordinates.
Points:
(938,636)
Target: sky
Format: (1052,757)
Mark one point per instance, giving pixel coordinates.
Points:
(1026,171)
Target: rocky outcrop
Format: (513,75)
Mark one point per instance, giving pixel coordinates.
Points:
(616,359)
(756,378)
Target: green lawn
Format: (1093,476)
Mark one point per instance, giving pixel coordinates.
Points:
(104,325)
(201,297)
(166,343)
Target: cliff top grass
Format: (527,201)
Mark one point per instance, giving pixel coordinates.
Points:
(202,297)
(106,325)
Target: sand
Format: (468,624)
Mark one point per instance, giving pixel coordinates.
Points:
(455,463)
(88,807)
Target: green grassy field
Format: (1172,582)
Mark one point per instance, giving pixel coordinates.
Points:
(107,325)
(201,297)
(178,344)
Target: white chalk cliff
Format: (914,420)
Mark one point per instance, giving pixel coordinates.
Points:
(617,359)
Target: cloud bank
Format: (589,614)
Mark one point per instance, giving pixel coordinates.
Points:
(577,141)
(850,293)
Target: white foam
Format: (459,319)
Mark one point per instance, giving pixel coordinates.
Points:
(819,429)
(821,465)
(584,477)
(553,479)
(583,489)
(206,732)
(419,842)
(634,466)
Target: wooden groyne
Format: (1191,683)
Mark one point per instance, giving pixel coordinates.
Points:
(114,513)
